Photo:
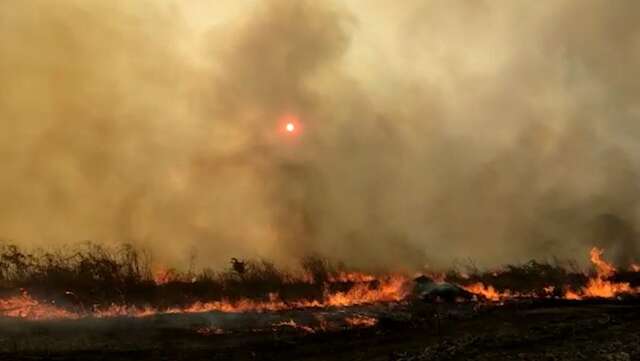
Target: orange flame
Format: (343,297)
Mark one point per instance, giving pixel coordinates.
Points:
(352,277)
(164,275)
(570,295)
(24,306)
(366,289)
(599,286)
(389,289)
(603,268)
(487,292)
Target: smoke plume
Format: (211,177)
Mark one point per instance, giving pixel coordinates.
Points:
(430,131)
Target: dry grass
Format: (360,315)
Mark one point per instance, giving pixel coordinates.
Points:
(96,276)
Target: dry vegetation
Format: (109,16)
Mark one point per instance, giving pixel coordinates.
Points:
(95,275)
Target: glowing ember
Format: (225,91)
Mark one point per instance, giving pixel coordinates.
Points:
(24,306)
(164,275)
(361,321)
(208,331)
(293,324)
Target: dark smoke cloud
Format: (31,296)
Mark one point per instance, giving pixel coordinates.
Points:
(432,131)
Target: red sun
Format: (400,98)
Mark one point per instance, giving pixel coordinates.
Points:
(290,125)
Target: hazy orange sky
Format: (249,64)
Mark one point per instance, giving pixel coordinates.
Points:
(429,131)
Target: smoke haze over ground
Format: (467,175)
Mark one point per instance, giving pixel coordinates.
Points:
(431,131)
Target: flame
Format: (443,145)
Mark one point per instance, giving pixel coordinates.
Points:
(570,295)
(487,292)
(603,268)
(24,306)
(599,286)
(389,289)
(355,277)
(164,275)
(366,289)
(635,267)
(121,311)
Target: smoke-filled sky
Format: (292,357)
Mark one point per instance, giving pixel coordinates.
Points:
(429,131)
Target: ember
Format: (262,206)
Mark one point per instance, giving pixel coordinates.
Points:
(361,321)
(207,331)
(24,306)
(293,324)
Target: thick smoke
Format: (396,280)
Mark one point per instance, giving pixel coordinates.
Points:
(431,131)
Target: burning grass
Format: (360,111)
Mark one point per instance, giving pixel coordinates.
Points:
(96,281)
(544,280)
(103,282)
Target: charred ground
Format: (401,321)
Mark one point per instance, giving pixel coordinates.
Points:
(569,330)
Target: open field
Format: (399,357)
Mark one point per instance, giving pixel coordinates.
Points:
(108,304)
(567,330)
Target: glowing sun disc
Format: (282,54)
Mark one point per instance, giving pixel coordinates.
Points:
(290,127)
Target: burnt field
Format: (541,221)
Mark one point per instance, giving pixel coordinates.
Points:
(558,330)
(98,303)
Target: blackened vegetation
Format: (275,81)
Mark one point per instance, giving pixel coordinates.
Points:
(532,278)
(536,278)
(95,276)
(535,333)
(513,331)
